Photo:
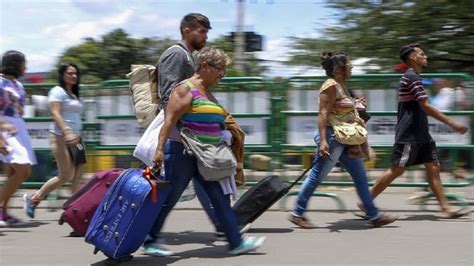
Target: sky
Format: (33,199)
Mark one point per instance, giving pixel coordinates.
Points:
(43,29)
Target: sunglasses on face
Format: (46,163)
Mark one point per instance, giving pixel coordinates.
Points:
(219,69)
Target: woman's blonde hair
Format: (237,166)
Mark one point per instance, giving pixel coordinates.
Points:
(213,56)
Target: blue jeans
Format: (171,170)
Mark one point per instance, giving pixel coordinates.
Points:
(321,169)
(180,168)
(205,202)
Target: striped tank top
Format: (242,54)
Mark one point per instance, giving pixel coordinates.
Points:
(204,117)
(343,109)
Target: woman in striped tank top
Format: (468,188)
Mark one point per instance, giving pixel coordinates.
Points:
(205,117)
(192,105)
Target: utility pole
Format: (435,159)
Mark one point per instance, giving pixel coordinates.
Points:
(239,42)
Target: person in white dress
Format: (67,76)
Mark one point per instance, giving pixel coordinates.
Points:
(16,151)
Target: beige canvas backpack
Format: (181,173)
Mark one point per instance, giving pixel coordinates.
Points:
(144,89)
(143,85)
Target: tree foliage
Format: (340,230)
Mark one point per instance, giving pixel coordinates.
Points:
(110,56)
(377,29)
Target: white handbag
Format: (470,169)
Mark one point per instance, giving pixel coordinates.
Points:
(146,146)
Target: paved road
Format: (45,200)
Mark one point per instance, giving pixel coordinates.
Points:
(418,238)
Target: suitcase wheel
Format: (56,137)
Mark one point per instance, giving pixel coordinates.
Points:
(61,219)
(96,250)
(75,234)
(111,261)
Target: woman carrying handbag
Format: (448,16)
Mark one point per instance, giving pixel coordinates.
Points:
(193,106)
(66,143)
(339,127)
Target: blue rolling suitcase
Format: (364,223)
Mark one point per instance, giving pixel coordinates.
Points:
(126,213)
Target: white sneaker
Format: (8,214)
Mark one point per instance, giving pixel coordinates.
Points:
(3,223)
(157,250)
(248,244)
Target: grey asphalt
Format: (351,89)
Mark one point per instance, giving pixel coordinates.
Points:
(419,237)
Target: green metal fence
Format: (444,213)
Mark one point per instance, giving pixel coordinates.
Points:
(301,110)
(249,99)
(300,120)
(279,118)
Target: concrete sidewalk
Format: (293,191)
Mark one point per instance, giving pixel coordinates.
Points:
(419,237)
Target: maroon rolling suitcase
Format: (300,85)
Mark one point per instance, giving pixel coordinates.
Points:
(79,209)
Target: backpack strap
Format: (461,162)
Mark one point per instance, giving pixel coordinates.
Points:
(184,50)
(190,60)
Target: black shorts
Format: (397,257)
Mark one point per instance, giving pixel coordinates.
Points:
(404,155)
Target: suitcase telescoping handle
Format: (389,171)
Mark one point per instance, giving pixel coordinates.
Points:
(149,175)
(300,177)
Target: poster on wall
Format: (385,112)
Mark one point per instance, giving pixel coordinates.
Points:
(39,134)
(381,129)
(301,130)
(255,129)
(120,132)
(128,132)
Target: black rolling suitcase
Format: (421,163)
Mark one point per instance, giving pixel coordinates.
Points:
(262,196)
